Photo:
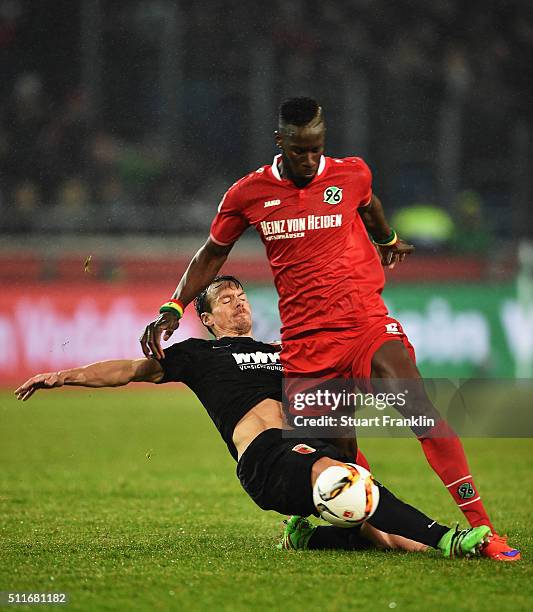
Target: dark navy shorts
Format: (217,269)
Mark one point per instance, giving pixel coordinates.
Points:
(276,471)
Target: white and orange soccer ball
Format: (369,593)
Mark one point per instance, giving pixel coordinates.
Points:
(345,495)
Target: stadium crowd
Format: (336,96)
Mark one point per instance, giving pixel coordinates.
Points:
(66,170)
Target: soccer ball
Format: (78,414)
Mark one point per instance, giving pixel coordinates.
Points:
(345,495)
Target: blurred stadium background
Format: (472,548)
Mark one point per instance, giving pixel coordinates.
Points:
(124,121)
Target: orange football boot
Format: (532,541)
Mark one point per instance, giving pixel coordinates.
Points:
(498,549)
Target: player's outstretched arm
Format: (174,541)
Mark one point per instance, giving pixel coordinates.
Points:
(100,374)
(373,217)
(200,272)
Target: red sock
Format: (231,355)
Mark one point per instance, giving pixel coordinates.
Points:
(446,456)
(361,460)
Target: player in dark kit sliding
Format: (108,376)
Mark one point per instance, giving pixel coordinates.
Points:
(314,215)
(242,397)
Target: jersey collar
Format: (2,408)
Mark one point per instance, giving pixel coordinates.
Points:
(277,175)
(226,339)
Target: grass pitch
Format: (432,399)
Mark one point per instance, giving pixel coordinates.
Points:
(128,500)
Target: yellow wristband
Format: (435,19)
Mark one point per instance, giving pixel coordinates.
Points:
(174,306)
(389,241)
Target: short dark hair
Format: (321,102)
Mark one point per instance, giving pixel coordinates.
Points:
(298,111)
(202,303)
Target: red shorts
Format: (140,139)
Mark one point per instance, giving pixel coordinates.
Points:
(341,353)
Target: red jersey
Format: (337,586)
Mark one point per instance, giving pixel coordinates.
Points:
(326,269)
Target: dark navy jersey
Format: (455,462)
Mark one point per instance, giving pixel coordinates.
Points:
(230,376)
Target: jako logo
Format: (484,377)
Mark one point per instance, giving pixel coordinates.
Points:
(257,357)
(272,203)
(392,328)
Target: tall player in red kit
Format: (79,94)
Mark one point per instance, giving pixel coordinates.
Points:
(314,215)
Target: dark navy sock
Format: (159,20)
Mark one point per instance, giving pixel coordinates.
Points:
(329,537)
(395,516)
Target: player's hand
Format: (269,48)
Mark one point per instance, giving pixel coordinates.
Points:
(48,380)
(167,322)
(391,255)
